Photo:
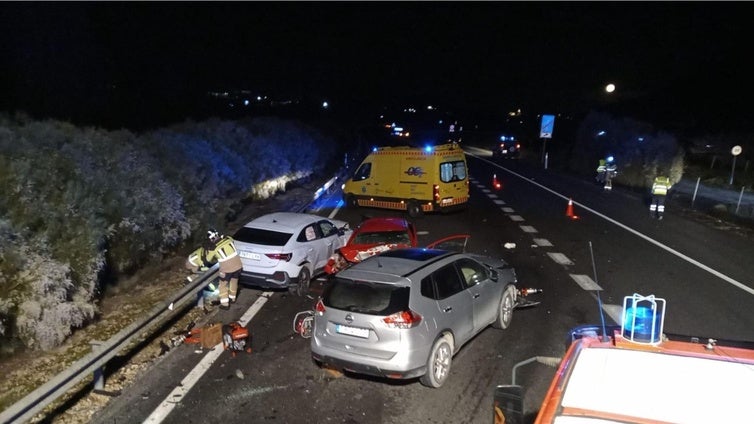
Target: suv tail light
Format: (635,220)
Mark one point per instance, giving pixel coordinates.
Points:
(403,319)
(319,308)
(280,256)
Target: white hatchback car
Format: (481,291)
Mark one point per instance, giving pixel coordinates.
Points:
(286,249)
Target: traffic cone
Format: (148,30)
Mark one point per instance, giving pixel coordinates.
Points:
(495,183)
(569,210)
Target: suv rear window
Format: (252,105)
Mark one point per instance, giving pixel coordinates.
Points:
(260,236)
(365,297)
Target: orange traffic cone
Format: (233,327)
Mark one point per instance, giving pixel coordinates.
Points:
(495,183)
(569,210)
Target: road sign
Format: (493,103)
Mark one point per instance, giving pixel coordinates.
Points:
(736,150)
(548,123)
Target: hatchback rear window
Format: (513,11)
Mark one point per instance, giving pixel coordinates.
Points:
(260,236)
(365,297)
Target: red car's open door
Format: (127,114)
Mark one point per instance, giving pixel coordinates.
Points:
(456,243)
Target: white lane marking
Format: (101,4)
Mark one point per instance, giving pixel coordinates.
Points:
(560,258)
(629,229)
(528,229)
(499,202)
(541,242)
(615,312)
(585,282)
(508,210)
(177,395)
(486,190)
(492,196)
(517,218)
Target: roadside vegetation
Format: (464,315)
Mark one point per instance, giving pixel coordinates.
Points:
(85,207)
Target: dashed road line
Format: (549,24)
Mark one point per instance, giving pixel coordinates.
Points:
(560,258)
(585,282)
(508,210)
(528,228)
(517,218)
(615,312)
(499,202)
(541,242)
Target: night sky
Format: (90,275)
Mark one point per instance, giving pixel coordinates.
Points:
(670,60)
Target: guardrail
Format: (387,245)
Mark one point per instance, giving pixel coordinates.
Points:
(92,363)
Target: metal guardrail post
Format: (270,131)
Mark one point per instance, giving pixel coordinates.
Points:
(98,378)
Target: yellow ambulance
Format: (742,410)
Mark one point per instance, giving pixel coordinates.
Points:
(414,179)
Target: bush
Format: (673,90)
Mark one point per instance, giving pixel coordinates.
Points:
(640,151)
(82,203)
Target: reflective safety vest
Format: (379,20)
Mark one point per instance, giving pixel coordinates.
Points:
(660,186)
(197,258)
(224,250)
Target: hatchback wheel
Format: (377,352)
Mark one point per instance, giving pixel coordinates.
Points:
(438,364)
(304,281)
(505,309)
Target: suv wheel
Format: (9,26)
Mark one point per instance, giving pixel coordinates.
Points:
(438,364)
(505,309)
(304,281)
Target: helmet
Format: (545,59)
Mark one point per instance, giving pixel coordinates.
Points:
(213,235)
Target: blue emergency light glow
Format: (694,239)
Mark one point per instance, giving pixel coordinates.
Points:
(643,319)
(374,149)
(428,149)
(610,158)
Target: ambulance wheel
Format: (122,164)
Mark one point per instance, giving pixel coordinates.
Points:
(414,209)
(351,201)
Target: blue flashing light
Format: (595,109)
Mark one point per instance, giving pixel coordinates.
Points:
(641,139)
(601,133)
(428,149)
(643,319)
(610,159)
(374,149)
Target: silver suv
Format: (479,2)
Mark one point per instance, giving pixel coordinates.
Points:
(404,313)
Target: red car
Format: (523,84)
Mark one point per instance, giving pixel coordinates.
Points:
(373,236)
